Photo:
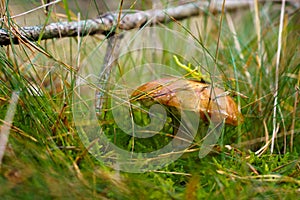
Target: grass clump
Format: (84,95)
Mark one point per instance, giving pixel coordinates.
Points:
(46,156)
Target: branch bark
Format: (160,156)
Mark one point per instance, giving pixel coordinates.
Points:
(108,22)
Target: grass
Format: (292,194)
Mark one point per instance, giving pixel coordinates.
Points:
(46,155)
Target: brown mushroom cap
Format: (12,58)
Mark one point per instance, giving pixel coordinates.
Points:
(192,96)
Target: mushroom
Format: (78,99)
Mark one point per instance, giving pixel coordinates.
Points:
(210,102)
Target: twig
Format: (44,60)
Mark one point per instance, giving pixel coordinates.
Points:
(262,178)
(32,10)
(262,139)
(110,60)
(108,22)
(173,173)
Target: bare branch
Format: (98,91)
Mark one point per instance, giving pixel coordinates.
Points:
(108,22)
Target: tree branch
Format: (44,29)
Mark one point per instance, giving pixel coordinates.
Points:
(108,22)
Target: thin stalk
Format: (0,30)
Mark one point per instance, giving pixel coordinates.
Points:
(277,76)
(294,113)
(4,133)
(259,52)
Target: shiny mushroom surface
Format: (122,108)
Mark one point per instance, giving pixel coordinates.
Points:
(190,95)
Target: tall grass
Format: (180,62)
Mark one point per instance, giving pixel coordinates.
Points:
(45,156)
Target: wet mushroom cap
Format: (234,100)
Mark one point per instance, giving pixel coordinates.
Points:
(191,96)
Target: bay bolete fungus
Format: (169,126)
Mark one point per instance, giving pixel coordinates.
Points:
(190,95)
